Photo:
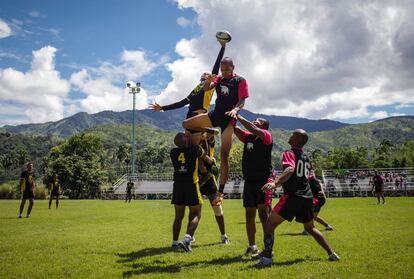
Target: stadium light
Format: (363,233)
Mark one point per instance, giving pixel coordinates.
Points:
(134,88)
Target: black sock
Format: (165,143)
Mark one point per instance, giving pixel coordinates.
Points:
(269,240)
(221,188)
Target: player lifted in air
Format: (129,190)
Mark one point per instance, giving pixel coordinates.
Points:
(53,187)
(232,90)
(319,200)
(186,190)
(297,200)
(27,188)
(378,184)
(257,171)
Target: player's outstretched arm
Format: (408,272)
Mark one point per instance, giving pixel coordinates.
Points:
(157,107)
(216,66)
(239,133)
(251,127)
(233,113)
(209,84)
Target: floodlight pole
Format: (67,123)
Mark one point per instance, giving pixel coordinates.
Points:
(133,90)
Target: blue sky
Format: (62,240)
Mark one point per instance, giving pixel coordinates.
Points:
(73,56)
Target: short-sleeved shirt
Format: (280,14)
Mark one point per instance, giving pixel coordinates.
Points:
(28,180)
(229,92)
(378,180)
(298,183)
(257,156)
(185,162)
(200,99)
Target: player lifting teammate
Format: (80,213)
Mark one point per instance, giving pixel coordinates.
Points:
(297,200)
(186,190)
(257,171)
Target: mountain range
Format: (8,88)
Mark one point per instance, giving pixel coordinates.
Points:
(170,121)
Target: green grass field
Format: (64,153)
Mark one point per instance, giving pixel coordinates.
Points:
(111,239)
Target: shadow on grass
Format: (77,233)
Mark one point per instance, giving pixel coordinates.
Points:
(289,262)
(293,234)
(160,266)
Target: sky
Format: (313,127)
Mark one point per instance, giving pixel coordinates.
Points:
(350,60)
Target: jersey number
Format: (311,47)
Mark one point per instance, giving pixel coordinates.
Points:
(181,158)
(302,168)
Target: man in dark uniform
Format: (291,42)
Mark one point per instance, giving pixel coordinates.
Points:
(27,188)
(129,188)
(186,190)
(378,185)
(319,200)
(257,171)
(297,200)
(54,190)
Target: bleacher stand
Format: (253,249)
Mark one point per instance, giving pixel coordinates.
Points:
(338,183)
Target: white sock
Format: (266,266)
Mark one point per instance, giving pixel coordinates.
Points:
(253,246)
(223,235)
(175,242)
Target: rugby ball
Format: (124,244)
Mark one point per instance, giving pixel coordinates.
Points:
(224,36)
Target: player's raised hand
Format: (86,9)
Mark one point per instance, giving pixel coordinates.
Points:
(155,107)
(210,78)
(268,186)
(233,113)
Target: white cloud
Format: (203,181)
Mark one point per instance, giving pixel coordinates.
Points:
(40,90)
(5,30)
(183,22)
(104,86)
(313,59)
(379,115)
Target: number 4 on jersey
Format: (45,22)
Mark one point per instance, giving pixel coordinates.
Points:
(181,158)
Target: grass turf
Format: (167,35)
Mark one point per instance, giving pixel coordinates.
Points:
(111,239)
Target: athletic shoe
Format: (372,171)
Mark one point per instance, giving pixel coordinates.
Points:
(334,257)
(305,232)
(212,131)
(225,239)
(28,216)
(328,228)
(260,255)
(264,262)
(175,247)
(251,251)
(186,247)
(192,241)
(20,216)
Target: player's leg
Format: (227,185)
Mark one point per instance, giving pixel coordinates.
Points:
(198,123)
(319,219)
(178,219)
(318,236)
(194,219)
(57,202)
(50,200)
(263,214)
(29,209)
(22,203)
(226,143)
(378,197)
(382,196)
(272,222)
(218,214)
(251,225)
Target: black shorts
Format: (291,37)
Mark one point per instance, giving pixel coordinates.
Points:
(221,120)
(28,195)
(253,194)
(186,193)
(379,189)
(54,193)
(318,203)
(210,187)
(290,207)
